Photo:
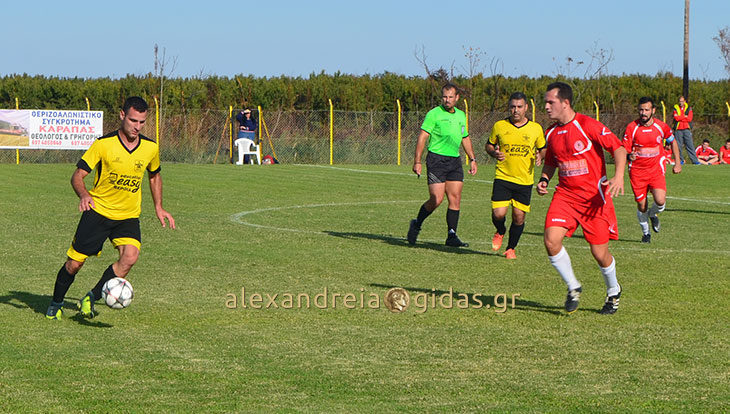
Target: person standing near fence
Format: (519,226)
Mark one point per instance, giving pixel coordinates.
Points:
(246,129)
(444,127)
(583,196)
(644,141)
(683,129)
(518,145)
(111,209)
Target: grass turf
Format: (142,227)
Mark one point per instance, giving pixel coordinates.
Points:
(301,229)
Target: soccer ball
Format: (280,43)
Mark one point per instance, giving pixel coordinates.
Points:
(117,293)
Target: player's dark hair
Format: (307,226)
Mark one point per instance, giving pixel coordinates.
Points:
(139,104)
(706,140)
(518,96)
(565,92)
(646,99)
(450,85)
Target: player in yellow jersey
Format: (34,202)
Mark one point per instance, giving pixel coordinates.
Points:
(518,144)
(111,209)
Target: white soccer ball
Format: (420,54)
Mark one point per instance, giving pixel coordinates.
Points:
(117,293)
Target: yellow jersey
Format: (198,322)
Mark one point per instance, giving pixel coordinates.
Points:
(119,174)
(518,145)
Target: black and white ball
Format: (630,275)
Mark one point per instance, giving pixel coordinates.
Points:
(117,293)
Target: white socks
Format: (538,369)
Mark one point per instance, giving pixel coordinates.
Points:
(609,276)
(643,220)
(654,209)
(561,263)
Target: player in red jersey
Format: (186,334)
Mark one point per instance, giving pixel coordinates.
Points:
(583,196)
(705,154)
(644,139)
(725,153)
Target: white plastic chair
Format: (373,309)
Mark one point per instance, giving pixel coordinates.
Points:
(247,147)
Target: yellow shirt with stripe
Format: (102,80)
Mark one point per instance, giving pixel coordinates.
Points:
(119,174)
(518,145)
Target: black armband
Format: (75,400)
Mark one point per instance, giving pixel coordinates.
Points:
(543,179)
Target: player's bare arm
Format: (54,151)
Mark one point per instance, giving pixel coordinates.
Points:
(677,162)
(616,184)
(469,150)
(547,173)
(493,151)
(539,156)
(156,190)
(77,182)
(420,145)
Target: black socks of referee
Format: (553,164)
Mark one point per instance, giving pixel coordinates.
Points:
(423,213)
(108,275)
(452,219)
(64,279)
(515,231)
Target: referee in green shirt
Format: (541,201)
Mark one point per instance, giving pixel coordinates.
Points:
(445,130)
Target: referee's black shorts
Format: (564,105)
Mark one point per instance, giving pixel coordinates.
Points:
(94,229)
(505,193)
(441,168)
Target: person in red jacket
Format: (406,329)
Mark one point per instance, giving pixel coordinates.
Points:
(683,132)
(725,153)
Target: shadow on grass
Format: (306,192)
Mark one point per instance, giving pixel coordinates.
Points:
(39,305)
(697,211)
(580,236)
(399,241)
(480,301)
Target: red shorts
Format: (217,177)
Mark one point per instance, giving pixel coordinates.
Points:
(642,183)
(598,220)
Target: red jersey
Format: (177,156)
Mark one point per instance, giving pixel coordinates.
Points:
(648,144)
(576,149)
(725,154)
(702,152)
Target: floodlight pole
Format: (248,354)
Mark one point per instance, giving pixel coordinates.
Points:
(685,79)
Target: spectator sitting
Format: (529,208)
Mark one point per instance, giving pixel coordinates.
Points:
(725,153)
(705,154)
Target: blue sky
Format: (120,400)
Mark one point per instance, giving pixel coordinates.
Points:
(265,38)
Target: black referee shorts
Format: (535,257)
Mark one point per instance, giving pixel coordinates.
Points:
(441,168)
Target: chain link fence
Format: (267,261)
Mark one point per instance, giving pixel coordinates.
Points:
(205,136)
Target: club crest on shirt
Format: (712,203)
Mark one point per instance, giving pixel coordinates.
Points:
(138,165)
(579,146)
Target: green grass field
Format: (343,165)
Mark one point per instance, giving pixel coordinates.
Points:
(301,229)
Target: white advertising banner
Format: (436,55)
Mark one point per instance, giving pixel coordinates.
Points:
(49,128)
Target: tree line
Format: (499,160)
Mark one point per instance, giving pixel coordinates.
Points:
(614,94)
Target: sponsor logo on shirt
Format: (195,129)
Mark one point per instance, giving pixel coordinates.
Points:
(573,168)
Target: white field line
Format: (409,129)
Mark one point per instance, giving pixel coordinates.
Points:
(239,218)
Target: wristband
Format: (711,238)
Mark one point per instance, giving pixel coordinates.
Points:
(543,179)
(473,160)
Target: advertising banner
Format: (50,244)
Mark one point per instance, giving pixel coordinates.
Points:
(49,128)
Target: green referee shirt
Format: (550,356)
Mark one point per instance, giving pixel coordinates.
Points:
(446,130)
